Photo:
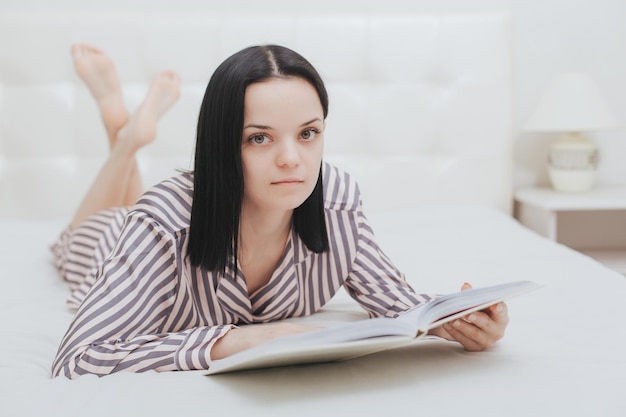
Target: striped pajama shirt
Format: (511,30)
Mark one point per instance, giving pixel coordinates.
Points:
(140,305)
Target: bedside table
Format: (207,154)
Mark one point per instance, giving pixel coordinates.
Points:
(593,222)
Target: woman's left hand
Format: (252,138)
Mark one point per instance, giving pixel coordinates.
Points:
(479,330)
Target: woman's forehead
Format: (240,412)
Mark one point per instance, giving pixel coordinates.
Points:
(276,98)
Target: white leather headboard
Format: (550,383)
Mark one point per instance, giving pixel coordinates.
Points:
(420,105)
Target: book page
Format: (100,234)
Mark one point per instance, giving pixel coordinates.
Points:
(452,306)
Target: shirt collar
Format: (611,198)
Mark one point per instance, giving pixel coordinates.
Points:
(271,302)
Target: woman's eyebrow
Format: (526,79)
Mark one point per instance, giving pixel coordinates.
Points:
(264,127)
(317,119)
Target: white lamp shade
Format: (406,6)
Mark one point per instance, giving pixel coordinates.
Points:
(572,103)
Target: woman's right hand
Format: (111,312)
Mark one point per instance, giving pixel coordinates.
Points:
(245,337)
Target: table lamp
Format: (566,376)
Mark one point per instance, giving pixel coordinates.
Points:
(572,105)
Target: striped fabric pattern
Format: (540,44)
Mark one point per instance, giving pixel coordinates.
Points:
(79,252)
(141,305)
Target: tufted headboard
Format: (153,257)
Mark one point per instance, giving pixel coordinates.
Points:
(420,105)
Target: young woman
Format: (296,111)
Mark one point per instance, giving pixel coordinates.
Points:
(207,263)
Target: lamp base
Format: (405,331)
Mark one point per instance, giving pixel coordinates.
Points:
(573,162)
(571,181)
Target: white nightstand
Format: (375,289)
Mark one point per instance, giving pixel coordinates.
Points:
(593,222)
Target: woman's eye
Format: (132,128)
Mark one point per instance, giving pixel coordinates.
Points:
(258,139)
(309,134)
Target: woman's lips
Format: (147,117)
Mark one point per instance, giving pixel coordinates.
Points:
(287,181)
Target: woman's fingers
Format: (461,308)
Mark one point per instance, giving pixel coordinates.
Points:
(480,330)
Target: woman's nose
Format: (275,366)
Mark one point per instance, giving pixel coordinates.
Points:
(288,153)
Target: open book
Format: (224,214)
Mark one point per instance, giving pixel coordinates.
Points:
(364,337)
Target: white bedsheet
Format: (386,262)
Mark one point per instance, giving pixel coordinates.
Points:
(563,353)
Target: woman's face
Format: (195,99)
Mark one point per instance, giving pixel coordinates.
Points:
(282,144)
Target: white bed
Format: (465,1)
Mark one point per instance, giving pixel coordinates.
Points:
(420,114)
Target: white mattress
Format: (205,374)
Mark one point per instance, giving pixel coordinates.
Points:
(563,353)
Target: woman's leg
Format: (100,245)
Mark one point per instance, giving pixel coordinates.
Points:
(118,182)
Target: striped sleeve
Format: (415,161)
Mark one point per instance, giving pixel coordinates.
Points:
(374,281)
(120,325)
(105,227)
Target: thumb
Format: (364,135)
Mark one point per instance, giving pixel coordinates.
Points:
(465,286)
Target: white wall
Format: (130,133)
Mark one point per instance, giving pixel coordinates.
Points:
(549,36)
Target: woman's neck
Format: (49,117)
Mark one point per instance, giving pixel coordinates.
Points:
(260,230)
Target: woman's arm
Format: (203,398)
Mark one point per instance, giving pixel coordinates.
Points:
(245,337)
(382,290)
(374,281)
(123,322)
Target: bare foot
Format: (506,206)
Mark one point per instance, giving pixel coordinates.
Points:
(98,73)
(140,129)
